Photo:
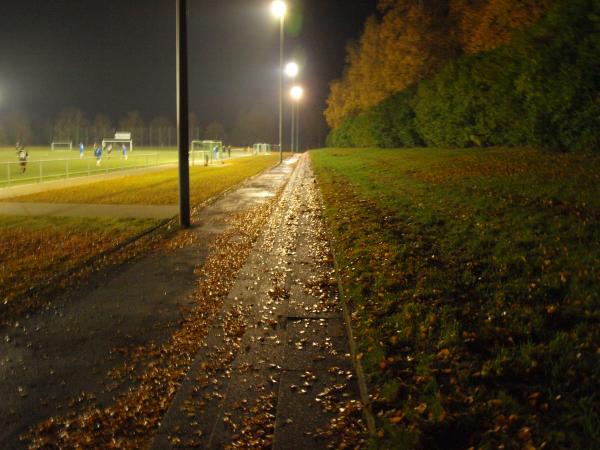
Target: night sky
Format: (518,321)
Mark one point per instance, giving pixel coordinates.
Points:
(114,56)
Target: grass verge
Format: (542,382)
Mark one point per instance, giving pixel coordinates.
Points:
(159,188)
(474,281)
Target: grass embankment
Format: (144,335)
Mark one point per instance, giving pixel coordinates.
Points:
(159,188)
(474,276)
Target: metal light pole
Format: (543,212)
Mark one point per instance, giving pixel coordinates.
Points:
(183,114)
(297,93)
(291,70)
(279,8)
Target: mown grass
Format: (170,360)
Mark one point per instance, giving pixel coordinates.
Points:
(474,276)
(159,188)
(45,165)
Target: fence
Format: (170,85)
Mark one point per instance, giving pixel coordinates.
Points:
(55,169)
(142,136)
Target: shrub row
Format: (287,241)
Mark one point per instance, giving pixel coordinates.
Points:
(542,90)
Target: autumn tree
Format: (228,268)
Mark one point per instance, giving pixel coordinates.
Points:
(408,42)
(485,25)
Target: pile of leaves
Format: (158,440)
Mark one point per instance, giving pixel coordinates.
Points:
(474,281)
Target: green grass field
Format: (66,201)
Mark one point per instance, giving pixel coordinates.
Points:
(45,165)
(474,276)
(159,188)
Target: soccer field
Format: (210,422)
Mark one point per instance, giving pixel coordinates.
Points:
(46,165)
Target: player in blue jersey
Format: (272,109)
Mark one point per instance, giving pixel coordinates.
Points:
(124,151)
(81,149)
(98,153)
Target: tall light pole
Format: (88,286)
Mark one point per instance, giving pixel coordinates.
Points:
(182,113)
(278,9)
(297,93)
(291,70)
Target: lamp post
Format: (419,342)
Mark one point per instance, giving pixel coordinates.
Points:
(291,70)
(183,113)
(297,93)
(278,9)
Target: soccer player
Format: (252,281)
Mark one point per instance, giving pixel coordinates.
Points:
(124,151)
(109,150)
(98,154)
(81,150)
(22,155)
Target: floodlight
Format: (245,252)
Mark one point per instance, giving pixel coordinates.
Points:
(278,8)
(291,69)
(296,93)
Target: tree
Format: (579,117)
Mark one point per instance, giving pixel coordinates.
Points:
(133,123)
(254,124)
(161,130)
(101,127)
(195,127)
(485,25)
(215,131)
(410,41)
(69,125)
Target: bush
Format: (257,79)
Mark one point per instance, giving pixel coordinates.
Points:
(394,121)
(560,80)
(541,90)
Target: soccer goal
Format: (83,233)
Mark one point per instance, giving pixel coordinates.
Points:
(121,137)
(205,152)
(61,146)
(264,149)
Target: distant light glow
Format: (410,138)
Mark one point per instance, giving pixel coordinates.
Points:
(291,69)
(297,93)
(278,8)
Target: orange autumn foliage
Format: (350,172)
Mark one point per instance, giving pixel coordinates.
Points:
(411,39)
(485,25)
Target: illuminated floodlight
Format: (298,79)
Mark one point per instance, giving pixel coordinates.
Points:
(291,69)
(278,8)
(297,93)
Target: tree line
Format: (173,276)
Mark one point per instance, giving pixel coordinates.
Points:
(459,73)
(253,124)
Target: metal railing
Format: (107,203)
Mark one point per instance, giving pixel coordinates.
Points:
(55,169)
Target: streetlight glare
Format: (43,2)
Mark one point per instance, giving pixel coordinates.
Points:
(297,93)
(278,8)
(291,69)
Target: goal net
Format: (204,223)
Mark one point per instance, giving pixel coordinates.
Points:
(205,152)
(264,149)
(61,146)
(121,137)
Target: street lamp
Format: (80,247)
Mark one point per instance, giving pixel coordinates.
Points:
(296,93)
(291,70)
(278,9)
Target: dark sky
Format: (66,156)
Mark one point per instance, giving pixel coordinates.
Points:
(114,56)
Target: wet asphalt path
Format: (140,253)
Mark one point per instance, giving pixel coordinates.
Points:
(49,360)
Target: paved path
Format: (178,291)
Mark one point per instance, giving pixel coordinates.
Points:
(86,210)
(284,372)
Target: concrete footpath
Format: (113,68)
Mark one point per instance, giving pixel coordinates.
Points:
(273,369)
